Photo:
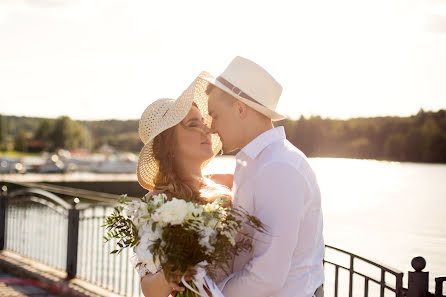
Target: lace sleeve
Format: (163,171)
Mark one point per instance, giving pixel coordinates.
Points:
(141,269)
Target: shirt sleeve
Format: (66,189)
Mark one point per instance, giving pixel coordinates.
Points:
(279,195)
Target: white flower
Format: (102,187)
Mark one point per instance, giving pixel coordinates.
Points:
(173,212)
(208,237)
(214,223)
(230,236)
(146,233)
(210,207)
(194,212)
(158,199)
(131,208)
(141,215)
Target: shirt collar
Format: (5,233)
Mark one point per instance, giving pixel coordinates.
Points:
(253,149)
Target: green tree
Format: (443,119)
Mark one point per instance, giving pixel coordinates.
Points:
(20,141)
(2,134)
(45,132)
(69,134)
(395,147)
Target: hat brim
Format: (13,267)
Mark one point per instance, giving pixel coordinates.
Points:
(274,116)
(148,166)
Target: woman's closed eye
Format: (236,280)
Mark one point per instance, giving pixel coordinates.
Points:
(195,123)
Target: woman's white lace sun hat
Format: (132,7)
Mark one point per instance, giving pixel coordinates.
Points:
(165,113)
(251,84)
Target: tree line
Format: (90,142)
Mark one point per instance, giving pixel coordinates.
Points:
(417,138)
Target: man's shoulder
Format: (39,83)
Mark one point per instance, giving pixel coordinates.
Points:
(287,156)
(282,152)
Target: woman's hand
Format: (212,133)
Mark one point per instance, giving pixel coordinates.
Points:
(156,285)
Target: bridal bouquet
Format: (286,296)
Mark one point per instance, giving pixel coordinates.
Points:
(177,235)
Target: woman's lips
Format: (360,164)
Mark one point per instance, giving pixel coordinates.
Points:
(207,141)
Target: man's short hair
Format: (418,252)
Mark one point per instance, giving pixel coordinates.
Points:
(227,97)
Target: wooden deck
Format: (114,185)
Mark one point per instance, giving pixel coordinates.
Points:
(20,276)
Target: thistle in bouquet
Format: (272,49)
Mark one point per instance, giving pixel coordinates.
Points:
(181,236)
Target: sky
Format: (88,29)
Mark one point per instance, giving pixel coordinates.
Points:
(104,59)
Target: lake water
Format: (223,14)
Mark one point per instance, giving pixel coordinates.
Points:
(385,211)
(388,212)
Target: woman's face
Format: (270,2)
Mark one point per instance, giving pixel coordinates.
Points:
(193,138)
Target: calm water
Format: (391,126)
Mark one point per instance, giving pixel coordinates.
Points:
(384,211)
(388,212)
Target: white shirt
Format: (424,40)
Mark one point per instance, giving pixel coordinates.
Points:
(274,182)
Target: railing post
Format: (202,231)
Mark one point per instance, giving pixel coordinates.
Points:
(3,208)
(72,242)
(399,285)
(350,283)
(439,286)
(418,279)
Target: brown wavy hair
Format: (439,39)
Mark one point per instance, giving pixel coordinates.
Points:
(168,180)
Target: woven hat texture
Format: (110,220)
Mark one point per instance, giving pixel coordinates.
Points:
(165,113)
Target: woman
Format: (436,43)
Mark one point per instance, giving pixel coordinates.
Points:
(177,147)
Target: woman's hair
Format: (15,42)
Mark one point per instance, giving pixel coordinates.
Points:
(170,182)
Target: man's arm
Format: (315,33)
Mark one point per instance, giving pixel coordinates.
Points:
(222,179)
(279,193)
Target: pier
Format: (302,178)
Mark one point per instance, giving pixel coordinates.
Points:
(51,240)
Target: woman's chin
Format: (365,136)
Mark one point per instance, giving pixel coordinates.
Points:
(207,154)
(206,148)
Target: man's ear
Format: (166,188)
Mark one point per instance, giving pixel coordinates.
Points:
(241,109)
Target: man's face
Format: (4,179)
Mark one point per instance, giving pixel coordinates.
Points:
(225,121)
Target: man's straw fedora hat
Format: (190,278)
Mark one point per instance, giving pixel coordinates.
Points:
(251,84)
(165,113)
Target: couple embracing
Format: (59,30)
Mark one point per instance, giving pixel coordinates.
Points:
(272,180)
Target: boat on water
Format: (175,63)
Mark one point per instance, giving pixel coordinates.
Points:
(117,163)
(8,165)
(63,162)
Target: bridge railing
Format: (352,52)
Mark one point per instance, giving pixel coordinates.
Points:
(362,272)
(64,233)
(38,224)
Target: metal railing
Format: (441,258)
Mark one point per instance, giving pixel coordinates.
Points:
(353,268)
(42,226)
(37,223)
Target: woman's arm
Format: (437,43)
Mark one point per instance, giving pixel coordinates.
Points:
(222,179)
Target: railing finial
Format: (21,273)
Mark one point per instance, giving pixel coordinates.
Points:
(418,263)
(75,202)
(4,190)
(418,283)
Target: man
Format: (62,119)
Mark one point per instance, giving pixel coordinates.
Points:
(272,181)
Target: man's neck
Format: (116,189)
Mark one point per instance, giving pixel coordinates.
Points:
(255,130)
